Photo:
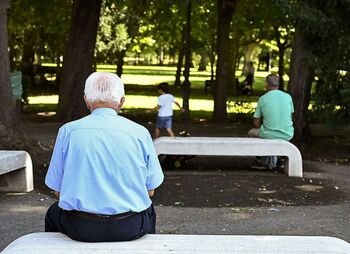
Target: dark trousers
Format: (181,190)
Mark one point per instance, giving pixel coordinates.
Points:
(104,229)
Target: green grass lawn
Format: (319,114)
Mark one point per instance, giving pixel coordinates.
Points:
(141,90)
(153,75)
(148,102)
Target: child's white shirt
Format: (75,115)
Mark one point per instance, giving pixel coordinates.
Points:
(165,101)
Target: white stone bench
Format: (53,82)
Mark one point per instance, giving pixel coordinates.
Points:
(16,171)
(227,146)
(56,243)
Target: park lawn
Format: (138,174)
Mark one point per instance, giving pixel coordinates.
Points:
(153,75)
(148,102)
(141,91)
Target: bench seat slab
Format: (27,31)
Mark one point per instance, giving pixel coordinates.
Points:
(228,146)
(56,243)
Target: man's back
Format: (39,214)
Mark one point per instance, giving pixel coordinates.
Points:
(104,169)
(275,108)
(108,157)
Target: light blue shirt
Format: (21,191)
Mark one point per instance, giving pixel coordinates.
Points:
(104,164)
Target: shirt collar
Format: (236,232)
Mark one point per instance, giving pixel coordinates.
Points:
(105,111)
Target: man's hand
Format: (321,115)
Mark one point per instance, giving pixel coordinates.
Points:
(151,193)
(57,194)
(257,123)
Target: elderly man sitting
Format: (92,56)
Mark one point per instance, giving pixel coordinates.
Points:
(103,170)
(273,116)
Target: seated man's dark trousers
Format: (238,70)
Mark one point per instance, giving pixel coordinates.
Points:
(87,227)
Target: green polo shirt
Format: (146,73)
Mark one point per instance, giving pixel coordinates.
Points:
(275,108)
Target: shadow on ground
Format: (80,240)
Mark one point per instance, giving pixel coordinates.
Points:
(230,182)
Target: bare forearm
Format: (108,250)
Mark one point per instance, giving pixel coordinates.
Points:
(151,193)
(57,194)
(177,104)
(257,123)
(156,108)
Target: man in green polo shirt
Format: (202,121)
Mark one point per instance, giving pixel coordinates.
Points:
(273,115)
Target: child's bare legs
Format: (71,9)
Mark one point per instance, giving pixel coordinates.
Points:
(170,132)
(156,133)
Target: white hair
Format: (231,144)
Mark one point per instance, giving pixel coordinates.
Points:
(104,87)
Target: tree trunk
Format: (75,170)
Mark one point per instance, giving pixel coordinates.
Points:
(203,61)
(212,63)
(120,62)
(212,56)
(161,56)
(231,76)
(301,76)
(179,67)
(180,59)
(28,57)
(233,89)
(58,64)
(11,136)
(7,110)
(281,50)
(223,71)
(235,61)
(268,62)
(78,59)
(186,85)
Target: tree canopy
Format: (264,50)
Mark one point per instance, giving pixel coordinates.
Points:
(292,36)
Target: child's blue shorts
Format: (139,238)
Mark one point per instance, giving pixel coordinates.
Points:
(164,122)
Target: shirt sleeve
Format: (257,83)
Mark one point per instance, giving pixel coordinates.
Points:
(292,104)
(155,174)
(159,101)
(54,174)
(257,113)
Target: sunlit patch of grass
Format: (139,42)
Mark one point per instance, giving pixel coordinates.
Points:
(149,102)
(43,99)
(153,75)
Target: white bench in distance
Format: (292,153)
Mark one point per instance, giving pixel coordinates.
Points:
(228,146)
(16,171)
(57,243)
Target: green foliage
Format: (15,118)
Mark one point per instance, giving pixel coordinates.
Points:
(331,54)
(45,23)
(112,36)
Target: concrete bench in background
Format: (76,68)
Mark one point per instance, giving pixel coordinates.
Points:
(227,146)
(16,171)
(56,243)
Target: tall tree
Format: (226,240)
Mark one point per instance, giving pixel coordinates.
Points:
(301,76)
(186,85)
(78,59)
(282,44)
(226,9)
(179,64)
(11,136)
(7,111)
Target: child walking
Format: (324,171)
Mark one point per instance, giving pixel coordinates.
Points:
(165,110)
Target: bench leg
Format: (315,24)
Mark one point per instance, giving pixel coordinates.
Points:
(19,180)
(293,168)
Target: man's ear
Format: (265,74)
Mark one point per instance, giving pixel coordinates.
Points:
(86,102)
(122,100)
